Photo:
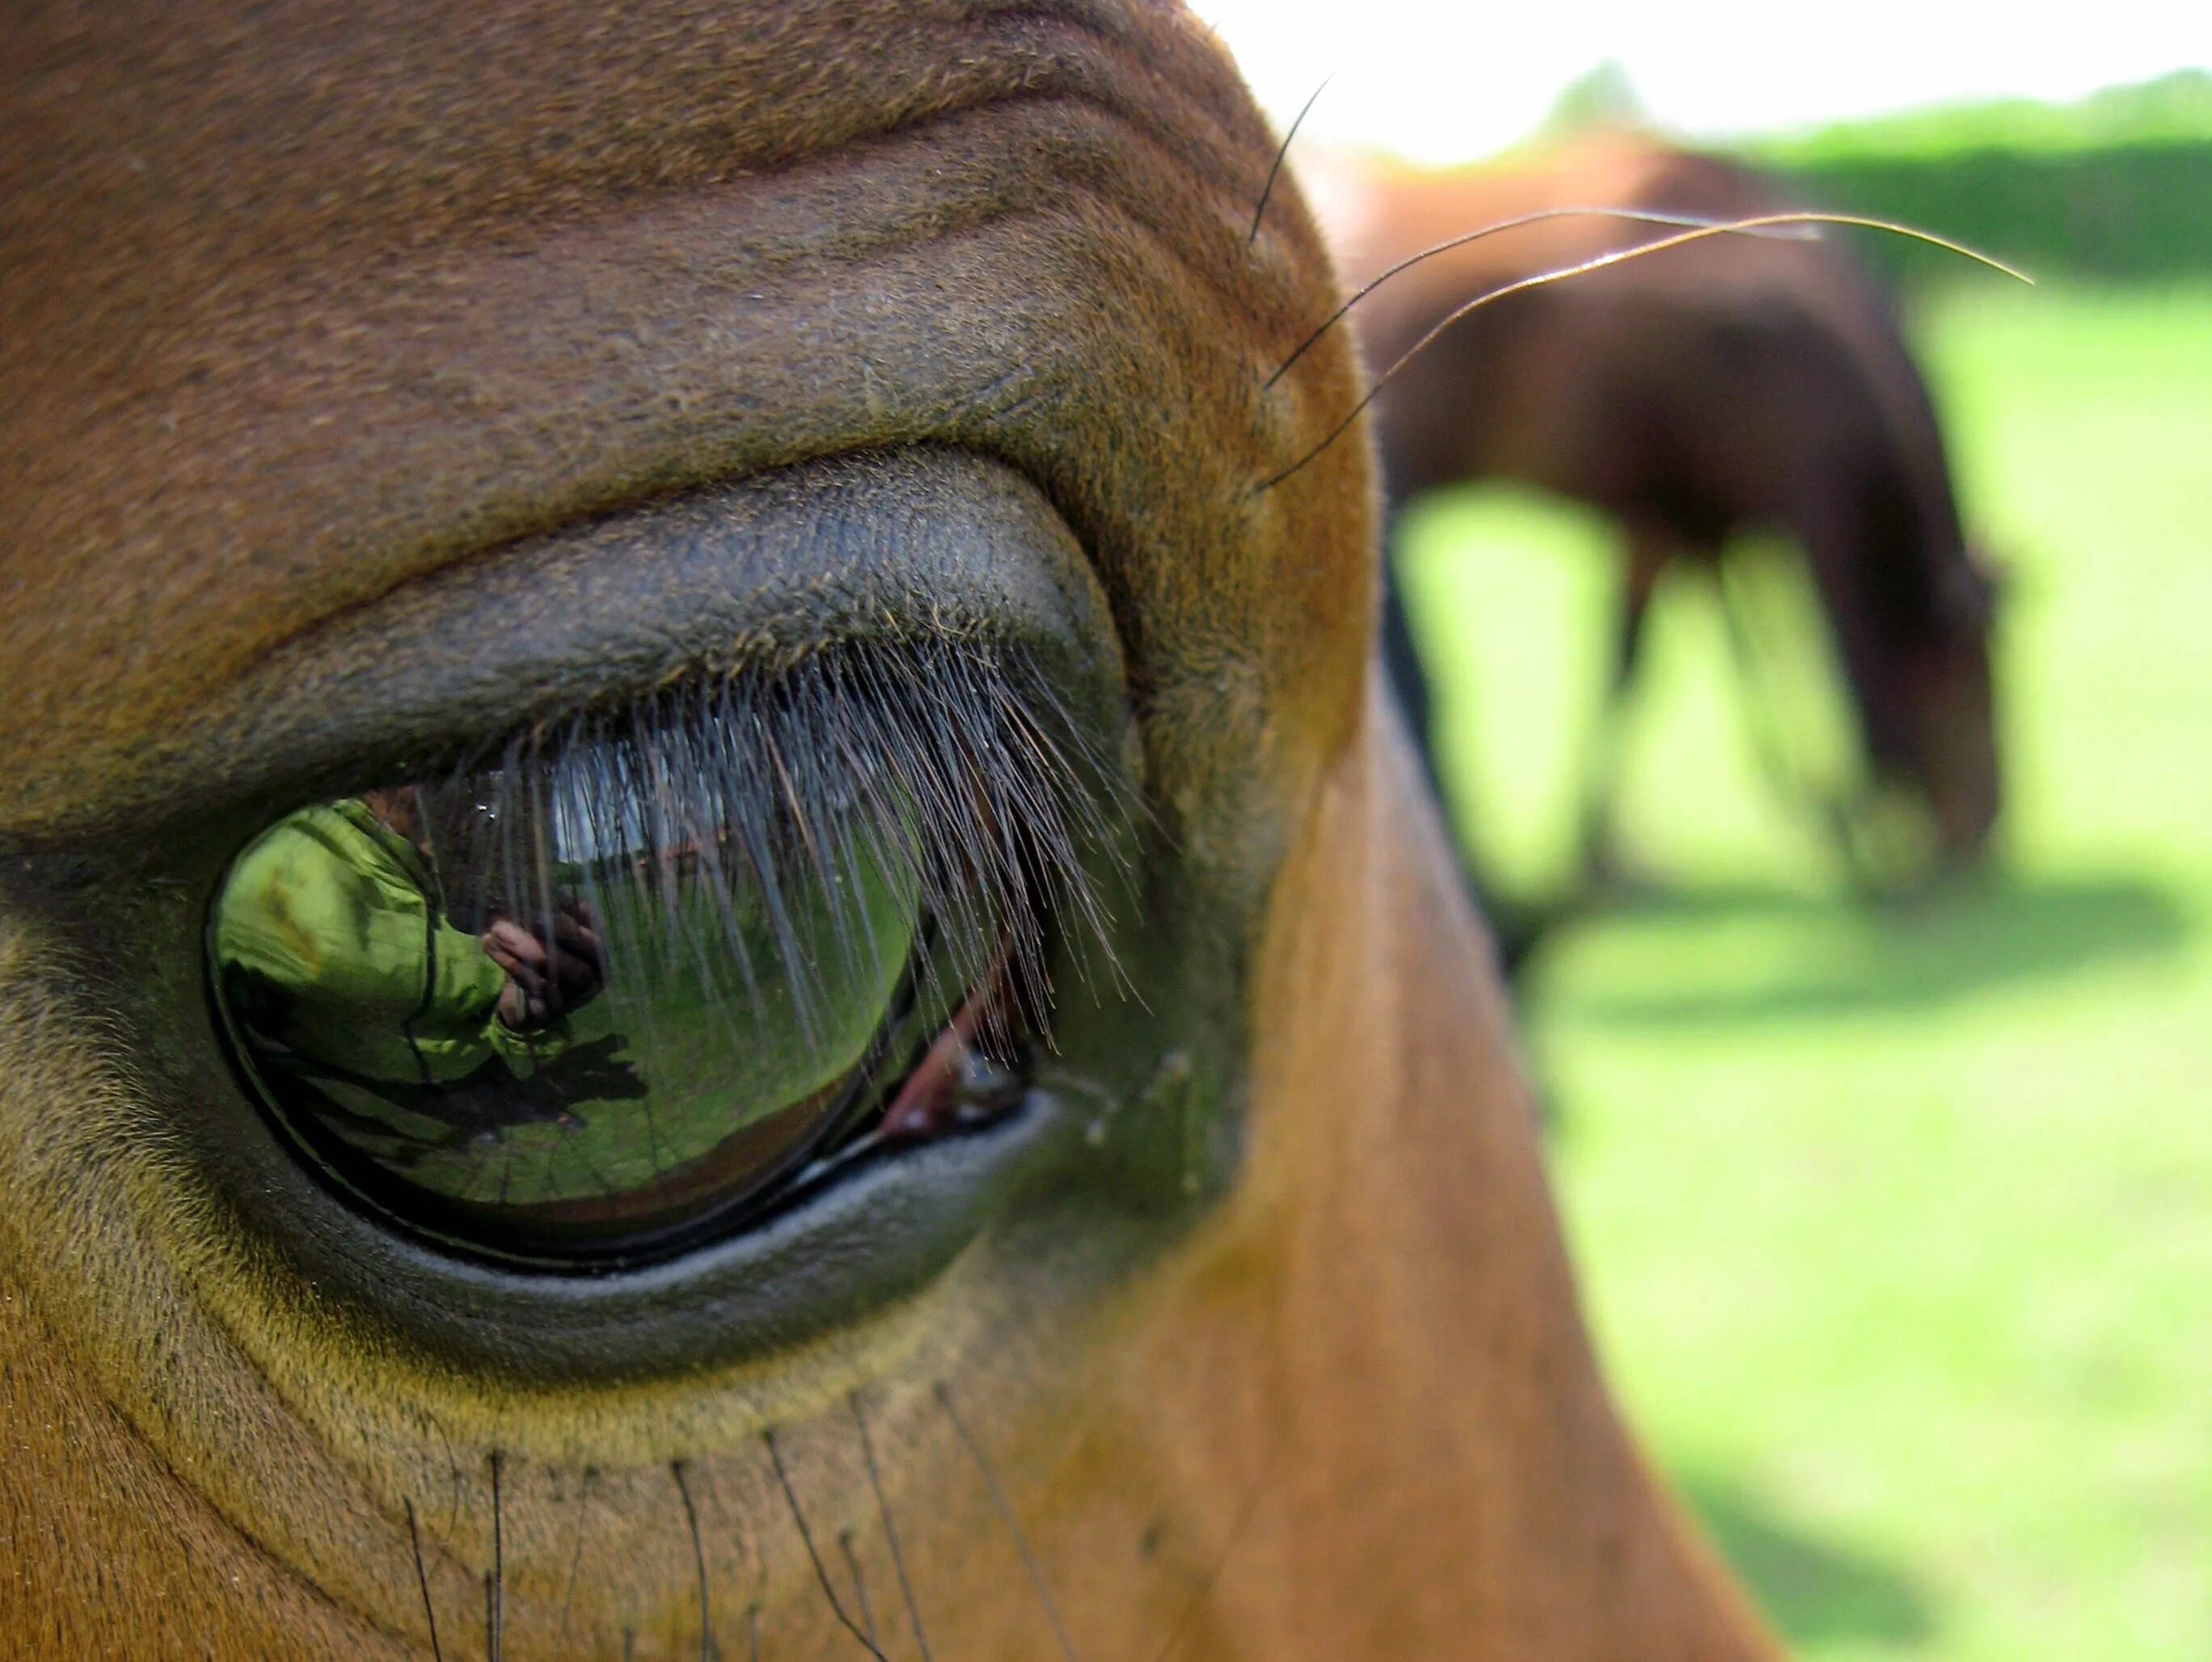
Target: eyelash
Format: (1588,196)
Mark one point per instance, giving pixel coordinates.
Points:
(951,766)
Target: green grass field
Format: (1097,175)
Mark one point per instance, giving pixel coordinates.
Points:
(1896,1227)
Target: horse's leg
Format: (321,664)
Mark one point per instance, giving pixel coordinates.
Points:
(1409,677)
(1408,674)
(1651,547)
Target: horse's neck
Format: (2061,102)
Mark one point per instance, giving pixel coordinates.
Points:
(1912,438)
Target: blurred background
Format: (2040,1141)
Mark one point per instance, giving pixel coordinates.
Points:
(1894,1216)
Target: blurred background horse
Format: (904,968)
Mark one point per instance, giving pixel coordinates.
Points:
(1696,395)
(1937,1176)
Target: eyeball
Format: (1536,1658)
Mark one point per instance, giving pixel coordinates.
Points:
(610,996)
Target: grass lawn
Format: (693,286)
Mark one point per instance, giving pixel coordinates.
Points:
(1896,1227)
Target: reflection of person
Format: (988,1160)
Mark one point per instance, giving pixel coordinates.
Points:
(332,941)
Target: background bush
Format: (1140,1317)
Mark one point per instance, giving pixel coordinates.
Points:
(2117,187)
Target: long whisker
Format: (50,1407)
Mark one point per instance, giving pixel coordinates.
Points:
(423,1580)
(698,1559)
(891,1530)
(806,1535)
(1617,257)
(1275,168)
(1638,216)
(1005,1511)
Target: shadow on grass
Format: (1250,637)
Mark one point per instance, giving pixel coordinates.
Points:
(1812,1590)
(1879,958)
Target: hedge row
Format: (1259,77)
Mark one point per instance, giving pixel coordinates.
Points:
(2131,211)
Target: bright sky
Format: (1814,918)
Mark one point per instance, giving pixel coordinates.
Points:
(1442,80)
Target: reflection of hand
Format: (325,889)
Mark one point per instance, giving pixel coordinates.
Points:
(546,979)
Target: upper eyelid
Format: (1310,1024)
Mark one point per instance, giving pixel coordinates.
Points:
(929,545)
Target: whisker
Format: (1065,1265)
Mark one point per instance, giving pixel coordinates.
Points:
(495,1613)
(891,1530)
(575,1559)
(1617,257)
(1005,1511)
(1282,150)
(698,1559)
(1638,215)
(806,1535)
(1246,1511)
(456,1482)
(423,1580)
(859,1583)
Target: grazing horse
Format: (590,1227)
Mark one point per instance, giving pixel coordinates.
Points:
(1720,387)
(486,485)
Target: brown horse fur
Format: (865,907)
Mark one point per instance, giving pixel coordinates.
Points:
(311,308)
(1731,385)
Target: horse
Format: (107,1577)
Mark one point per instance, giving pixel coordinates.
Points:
(839,438)
(1713,388)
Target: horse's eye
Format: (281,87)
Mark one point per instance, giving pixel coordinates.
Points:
(630,984)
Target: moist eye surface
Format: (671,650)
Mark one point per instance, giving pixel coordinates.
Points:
(612,989)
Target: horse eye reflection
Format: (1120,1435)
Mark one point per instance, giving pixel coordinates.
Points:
(586,1006)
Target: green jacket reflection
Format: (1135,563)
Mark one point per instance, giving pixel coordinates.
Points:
(332,941)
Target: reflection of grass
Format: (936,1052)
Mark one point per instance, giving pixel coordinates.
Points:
(704,1028)
(1901,1221)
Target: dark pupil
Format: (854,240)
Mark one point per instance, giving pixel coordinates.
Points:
(585,1009)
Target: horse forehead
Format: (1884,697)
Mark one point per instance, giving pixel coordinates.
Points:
(325,299)
(170,173)
(315,109)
